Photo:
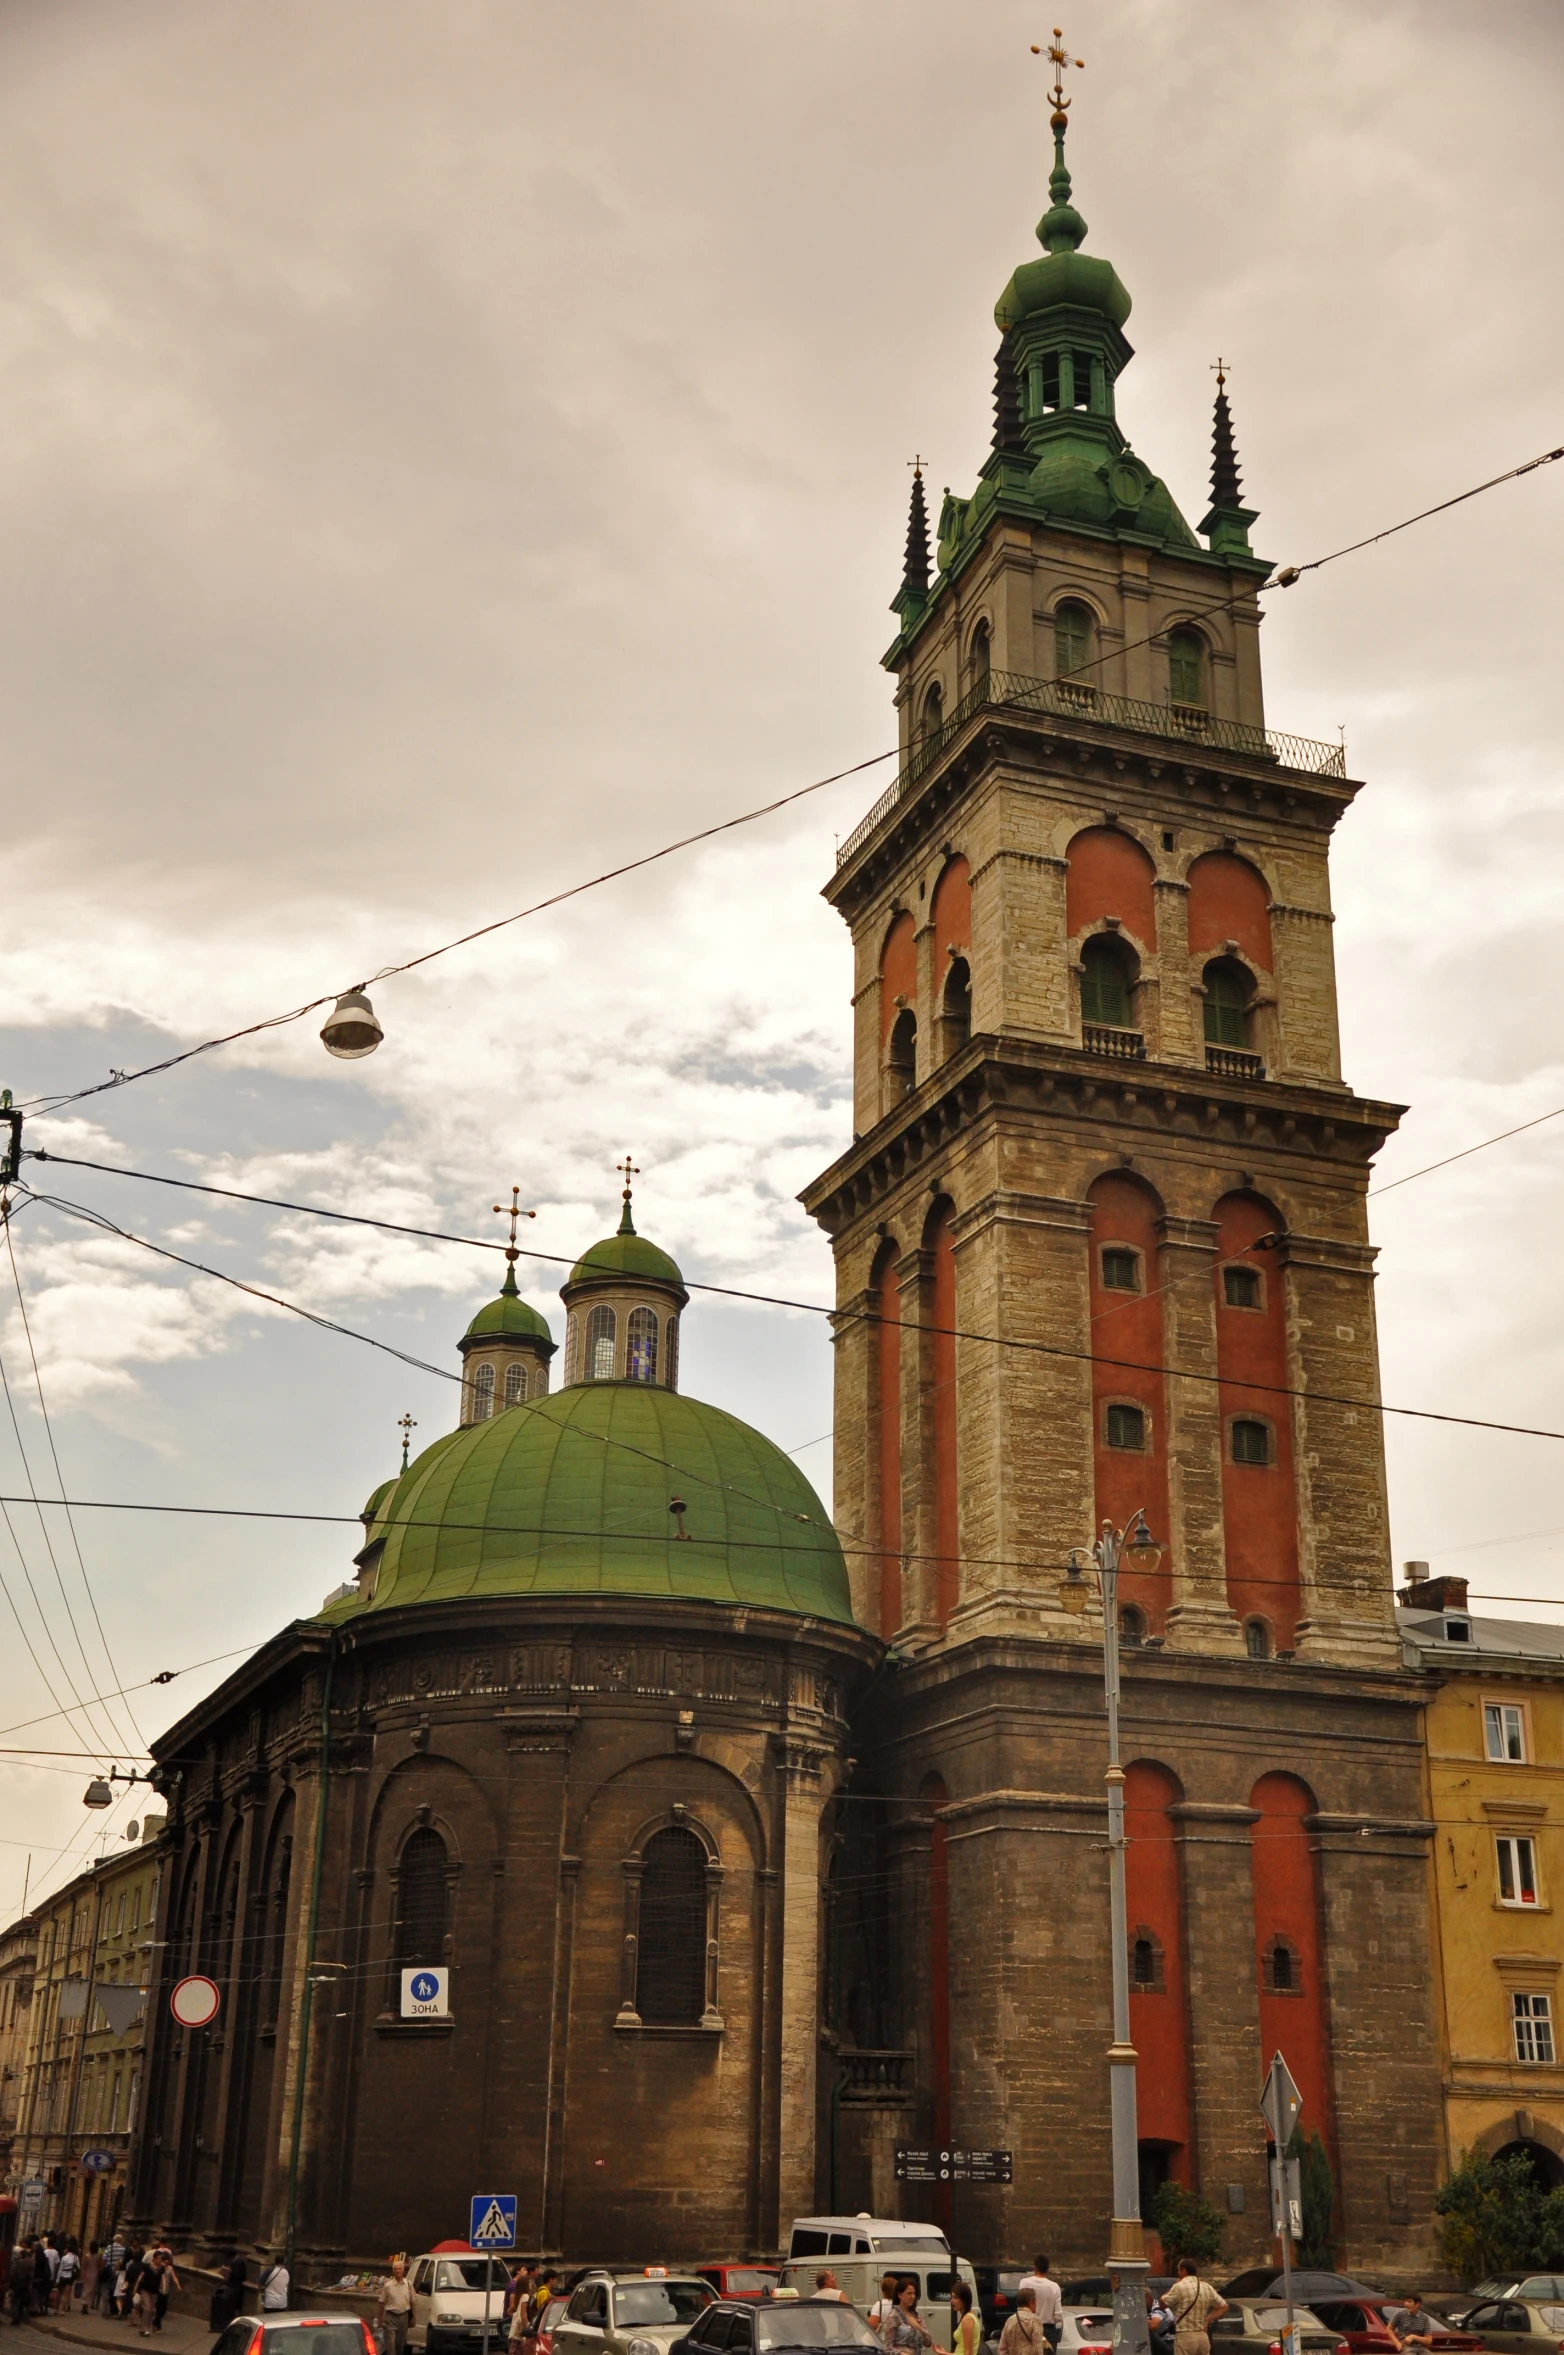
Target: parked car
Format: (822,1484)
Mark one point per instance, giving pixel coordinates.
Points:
(1516,2326)
(449,2296)
(1087,2331)
(1543,2288)
(624,2313)
(1366,2325)
(740,2281)
(283,2334)
(742,2326)
(549,2320)
(1254,2327)
(1095,2289)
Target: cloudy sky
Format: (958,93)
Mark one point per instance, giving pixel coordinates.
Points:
(450,449)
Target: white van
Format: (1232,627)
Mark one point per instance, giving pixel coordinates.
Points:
(450,2291)
(859,2249)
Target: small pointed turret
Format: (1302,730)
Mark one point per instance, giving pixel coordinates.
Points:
(1226,489)
(1227,525)
(915,569)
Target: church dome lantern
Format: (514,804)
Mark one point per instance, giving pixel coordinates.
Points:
(622,1303)
(505,1351)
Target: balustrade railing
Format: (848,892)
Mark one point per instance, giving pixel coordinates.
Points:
(1101,1038)
(1234,1063)
(1076,699)
(869,2076)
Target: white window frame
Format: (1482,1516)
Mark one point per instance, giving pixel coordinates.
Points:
(1531,2025)
(1515,1859)
(1497,1721)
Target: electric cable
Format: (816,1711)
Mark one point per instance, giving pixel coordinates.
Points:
(59,1477)
(1466,1152)
(163,1676)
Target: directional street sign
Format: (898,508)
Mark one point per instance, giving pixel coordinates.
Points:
(426,1993)
(1281,2103)
(952,2166)
(493,2220)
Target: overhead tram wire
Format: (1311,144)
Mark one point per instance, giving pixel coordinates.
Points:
(163,1676)
(1286,577)
(59,1479)
(841,1318)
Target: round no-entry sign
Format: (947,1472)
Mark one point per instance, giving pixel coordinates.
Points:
(195,2002)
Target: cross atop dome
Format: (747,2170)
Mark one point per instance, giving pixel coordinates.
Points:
(627,1170)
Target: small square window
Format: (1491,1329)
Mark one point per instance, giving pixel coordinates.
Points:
(1517,1860)
(1504,1731)
(1533,2019)
(1120,1269)
(1241,1287)
(1127,1428)
(1251,1443)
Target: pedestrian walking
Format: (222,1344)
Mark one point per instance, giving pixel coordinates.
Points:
(108,2278)
(274,2288)
(228,2297)
(1023,2334)
(165,2282)
(884,2302)
(1047,2299)
(1194,2306)
(396,2307)
(66,2278)
(967,2336)
(20,2285)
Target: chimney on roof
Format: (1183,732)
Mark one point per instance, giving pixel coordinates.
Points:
(1432,1594)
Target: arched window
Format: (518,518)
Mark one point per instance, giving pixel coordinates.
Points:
(1146,1961)
(1187,669)
(1227,1003)
(933,714)
(671,1357)
(1105,985)
(1251,1442)
(670,1969)
(1132,1624)
(601,1331)
(483,1394)
(515,1382)
(957,1012)
(1126,1427)
(1283,1968)
(1073,634)
(422,1901)
(981,658)
(641,1345)
(1257,1639)
(901,1055)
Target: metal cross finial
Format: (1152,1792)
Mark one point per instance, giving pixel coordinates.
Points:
(513,1214)
(1220,371)
(917,464)
(627,1171)
(406,1425)
(1060,59)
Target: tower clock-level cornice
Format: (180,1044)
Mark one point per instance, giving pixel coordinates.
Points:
(1177,1110)
(1175,773)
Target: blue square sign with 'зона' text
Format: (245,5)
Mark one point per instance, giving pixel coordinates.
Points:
(426,1993)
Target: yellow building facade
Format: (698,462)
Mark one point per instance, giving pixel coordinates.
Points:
(1494,1744)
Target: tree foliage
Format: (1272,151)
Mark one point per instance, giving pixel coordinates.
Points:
(1495,2216)
(1187,2225)
(1317,2248)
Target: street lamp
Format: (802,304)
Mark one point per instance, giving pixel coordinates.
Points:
(1136,1548)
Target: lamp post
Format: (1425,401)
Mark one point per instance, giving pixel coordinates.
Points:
(1136,1548)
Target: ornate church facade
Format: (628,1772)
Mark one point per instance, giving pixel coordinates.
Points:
(754,1843)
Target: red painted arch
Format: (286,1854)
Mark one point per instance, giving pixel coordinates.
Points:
(1108,874)
(1127,1346)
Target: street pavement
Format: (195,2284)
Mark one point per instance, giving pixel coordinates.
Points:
(180,2334)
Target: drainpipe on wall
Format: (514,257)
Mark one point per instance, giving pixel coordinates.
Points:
(307,1997)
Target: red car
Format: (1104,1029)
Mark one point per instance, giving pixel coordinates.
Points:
(1361,2322)
(739,2281)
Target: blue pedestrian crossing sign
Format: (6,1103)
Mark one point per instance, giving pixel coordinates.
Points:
(493,2220)
(426,1993)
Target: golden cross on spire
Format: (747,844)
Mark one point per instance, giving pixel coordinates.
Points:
(406,1425)
(513,1214)
(1060,59)
(627,1171)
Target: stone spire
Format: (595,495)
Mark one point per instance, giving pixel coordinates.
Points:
(915,570)
(1226,489)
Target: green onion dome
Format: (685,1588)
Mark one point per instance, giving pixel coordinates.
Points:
(507,1318)
(570,1495)
(626,1257)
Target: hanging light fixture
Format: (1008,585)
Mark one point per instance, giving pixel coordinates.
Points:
(350,1029)
(97,1793)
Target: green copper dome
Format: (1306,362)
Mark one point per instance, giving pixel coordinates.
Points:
(570,1495)
(376,1500)
(508,1318)
(625,1254)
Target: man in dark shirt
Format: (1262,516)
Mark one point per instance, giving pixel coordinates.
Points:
(1409,2325)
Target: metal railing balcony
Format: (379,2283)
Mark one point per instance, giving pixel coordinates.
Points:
(1075,699)
(870,2076)
(1103,1038)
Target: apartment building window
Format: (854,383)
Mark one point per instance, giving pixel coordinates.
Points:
(1533,2015)
(1517,1871)
(1504,1730)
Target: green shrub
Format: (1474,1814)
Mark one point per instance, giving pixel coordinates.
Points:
(1317,2248)
(1187,2225)
(1495,2217)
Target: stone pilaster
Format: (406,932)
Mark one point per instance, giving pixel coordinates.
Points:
(1226,2067)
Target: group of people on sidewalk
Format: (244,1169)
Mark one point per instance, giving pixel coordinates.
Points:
(49,2274)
